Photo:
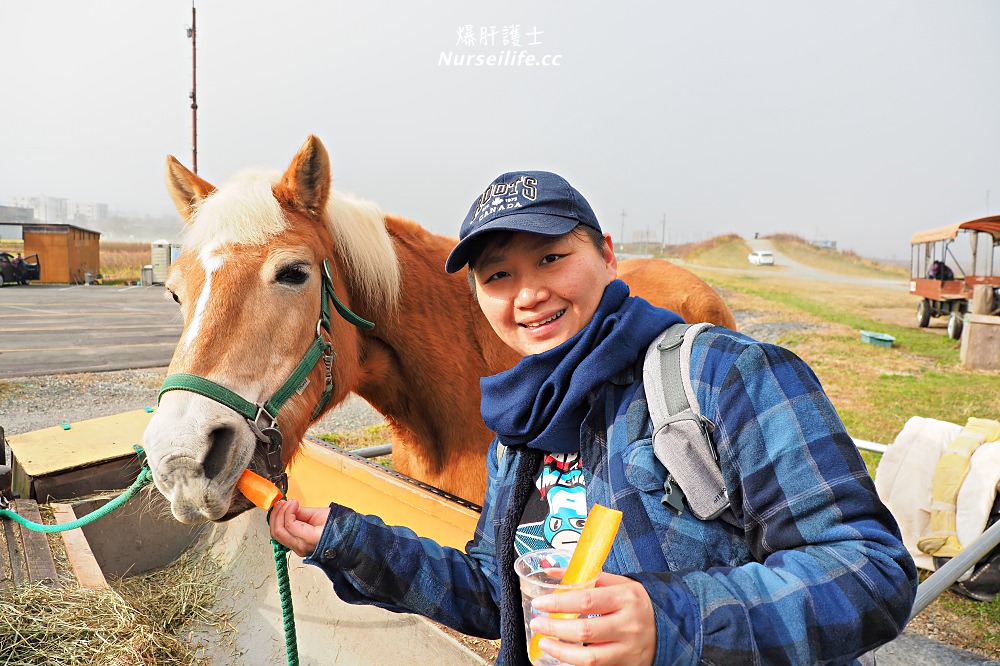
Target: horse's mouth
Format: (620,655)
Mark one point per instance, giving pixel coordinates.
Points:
(238,502)
(239,505)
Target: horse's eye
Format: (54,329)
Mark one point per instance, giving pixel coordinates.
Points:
(291,275)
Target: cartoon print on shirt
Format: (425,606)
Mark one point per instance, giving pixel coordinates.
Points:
(563,499)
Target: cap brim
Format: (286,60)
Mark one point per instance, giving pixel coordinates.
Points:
(541,224)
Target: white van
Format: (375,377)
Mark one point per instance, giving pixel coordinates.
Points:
(761,258)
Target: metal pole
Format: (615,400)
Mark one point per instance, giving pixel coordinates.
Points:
(875,447)
(944,577)
(621,242)
(374,451)
(193,34)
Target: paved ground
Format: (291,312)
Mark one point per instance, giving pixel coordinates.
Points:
(48,329)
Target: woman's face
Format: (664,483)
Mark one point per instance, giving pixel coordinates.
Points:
(539,291)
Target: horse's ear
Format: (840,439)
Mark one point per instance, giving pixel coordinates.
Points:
(186,189)
(306,183)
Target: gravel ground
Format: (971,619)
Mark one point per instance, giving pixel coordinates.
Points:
(31,403)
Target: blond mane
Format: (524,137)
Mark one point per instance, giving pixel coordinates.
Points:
(245,212)
(361,239)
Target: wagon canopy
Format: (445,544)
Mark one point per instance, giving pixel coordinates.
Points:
(990,225)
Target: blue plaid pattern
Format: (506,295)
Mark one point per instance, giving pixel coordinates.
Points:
(817,574)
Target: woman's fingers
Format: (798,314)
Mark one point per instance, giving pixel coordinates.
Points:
(289,529)
(612,623)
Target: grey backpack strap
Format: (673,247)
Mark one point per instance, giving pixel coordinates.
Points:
(681,438)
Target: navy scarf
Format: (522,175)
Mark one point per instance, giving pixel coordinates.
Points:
(542,400)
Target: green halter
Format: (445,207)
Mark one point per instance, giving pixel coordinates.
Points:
(263,418)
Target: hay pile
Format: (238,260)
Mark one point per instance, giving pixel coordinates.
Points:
(140,620)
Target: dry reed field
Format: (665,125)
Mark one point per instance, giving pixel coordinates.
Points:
(123,261)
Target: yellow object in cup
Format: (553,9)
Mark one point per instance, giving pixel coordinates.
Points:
(588,558)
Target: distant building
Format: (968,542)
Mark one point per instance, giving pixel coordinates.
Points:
(16,214)
(56,210)
(46,209)
(84,213)
(828,244)
(11,219)
(67,253)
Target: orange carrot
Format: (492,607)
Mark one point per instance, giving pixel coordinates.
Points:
(588,558)
(595,543)
(259,490)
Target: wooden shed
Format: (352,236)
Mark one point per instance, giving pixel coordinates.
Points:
(67,253)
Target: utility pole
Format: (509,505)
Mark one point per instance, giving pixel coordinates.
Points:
(193,34)
(663,237)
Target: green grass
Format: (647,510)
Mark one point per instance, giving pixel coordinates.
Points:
(912,340)
(375,435)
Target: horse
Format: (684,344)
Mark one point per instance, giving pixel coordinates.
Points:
(262,353)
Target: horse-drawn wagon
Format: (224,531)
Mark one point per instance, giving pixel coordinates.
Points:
(949,278)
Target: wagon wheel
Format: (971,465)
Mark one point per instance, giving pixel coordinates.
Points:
(955,326)
(923,313)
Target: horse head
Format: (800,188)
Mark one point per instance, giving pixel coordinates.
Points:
(276,277)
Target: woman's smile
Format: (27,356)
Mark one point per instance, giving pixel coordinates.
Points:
(539,291)
(547,320)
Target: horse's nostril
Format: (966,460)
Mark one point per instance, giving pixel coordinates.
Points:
(220,447)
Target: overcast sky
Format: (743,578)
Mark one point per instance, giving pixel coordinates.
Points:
(850,120)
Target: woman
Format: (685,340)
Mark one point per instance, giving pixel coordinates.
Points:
(814,571)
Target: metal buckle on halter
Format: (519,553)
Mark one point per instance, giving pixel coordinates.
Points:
(329,356)
(265,427)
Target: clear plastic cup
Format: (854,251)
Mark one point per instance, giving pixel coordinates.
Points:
(540,572)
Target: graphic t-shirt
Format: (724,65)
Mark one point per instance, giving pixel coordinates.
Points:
(554,517)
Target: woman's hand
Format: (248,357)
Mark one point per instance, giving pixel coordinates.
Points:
(298,527)
(625,632)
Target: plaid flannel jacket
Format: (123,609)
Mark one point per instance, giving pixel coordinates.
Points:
(817,574)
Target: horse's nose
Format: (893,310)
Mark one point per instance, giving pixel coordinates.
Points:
(220,450)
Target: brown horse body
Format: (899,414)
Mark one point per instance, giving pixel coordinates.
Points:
(250,300)
(423,373)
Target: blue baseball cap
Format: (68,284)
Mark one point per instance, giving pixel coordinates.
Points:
(538,202)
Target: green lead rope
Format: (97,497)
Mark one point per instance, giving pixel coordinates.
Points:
(285,594)
(144,478)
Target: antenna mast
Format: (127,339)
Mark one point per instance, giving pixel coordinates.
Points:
(192,33)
